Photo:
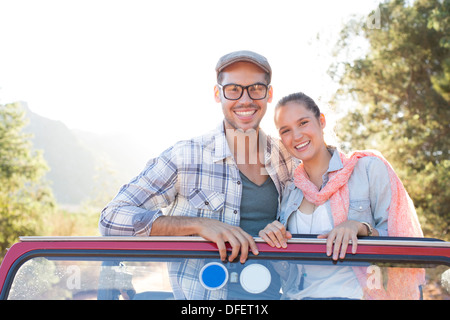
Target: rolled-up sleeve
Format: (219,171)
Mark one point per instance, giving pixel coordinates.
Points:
(138,204)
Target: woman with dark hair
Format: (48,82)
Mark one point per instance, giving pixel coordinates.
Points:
(337,196)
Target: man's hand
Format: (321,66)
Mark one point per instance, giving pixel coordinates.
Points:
(220,233)
(275,234)
(210,229)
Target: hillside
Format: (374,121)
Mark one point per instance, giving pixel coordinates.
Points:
(83,166)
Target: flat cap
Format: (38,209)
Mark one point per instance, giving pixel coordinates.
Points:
(247,56)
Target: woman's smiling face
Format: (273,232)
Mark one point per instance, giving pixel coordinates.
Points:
(300,130)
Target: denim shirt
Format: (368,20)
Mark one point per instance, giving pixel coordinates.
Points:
(369,193)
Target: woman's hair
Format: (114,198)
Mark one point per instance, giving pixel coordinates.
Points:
(300,98)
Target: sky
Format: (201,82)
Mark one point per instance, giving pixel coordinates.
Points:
(145,69)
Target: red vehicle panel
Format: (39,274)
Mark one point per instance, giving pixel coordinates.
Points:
(304,251)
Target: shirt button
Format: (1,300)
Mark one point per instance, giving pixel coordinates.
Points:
(238,182)
(206,203)
(235,211)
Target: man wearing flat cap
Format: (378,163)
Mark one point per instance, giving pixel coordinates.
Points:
(224,186)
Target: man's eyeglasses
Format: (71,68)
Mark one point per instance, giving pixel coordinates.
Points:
(232,91)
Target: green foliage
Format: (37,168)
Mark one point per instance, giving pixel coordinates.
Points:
(439,20)
(24,197)
(402,87)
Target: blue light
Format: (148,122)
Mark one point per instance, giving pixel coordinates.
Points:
(213,276)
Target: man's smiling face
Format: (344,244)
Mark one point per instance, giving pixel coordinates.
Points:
(244,113)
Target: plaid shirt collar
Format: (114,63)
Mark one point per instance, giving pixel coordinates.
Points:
(221,148)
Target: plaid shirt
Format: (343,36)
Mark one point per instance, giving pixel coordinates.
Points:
(197,178)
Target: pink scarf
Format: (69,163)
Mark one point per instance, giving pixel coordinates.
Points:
(402,217)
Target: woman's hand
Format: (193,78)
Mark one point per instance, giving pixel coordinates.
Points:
(341,236)
(275,234)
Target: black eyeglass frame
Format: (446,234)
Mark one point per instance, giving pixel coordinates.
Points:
(243,89)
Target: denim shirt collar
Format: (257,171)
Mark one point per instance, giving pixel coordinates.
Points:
(295,195)
(334,165)
(335,161)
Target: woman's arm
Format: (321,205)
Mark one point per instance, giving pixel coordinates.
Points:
(375,173)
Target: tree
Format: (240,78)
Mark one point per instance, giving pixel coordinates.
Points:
(24,195)
(401,86)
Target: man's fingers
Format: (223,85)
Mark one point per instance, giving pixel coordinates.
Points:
(235,246)
(253,246)
(246,243)
(221,233)
(241,242)
(222,250)
(243,246)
